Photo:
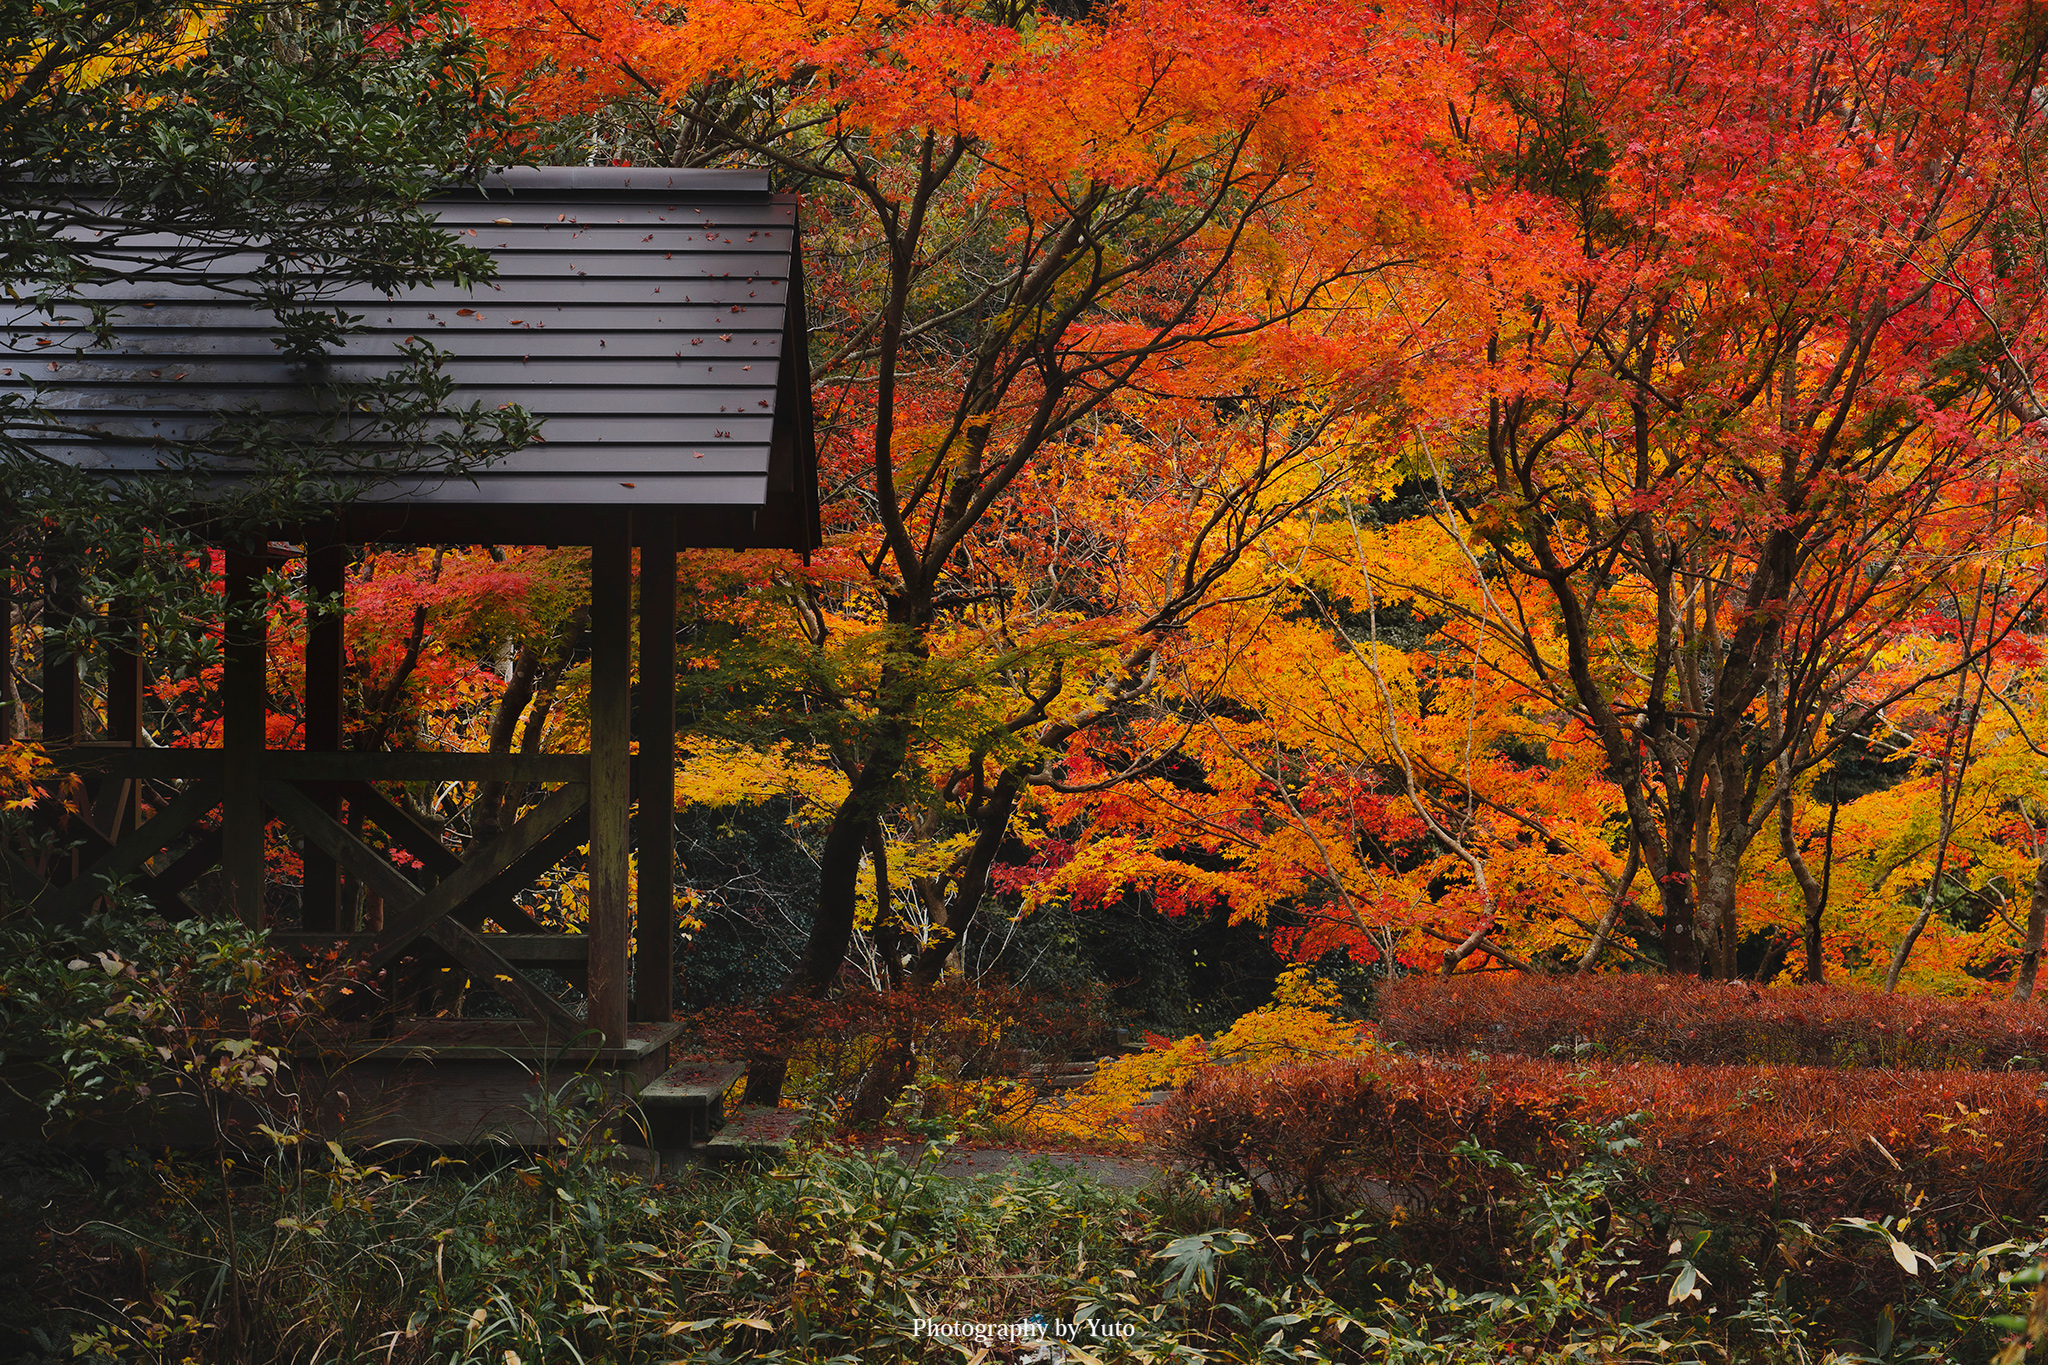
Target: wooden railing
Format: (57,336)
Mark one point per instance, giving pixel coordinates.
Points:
(435,911)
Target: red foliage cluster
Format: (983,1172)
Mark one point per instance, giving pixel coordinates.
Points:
(1655,1018)
(1731,1146)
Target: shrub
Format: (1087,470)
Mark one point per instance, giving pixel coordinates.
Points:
(309,1255)
(1667,1019)
(1567,1278)
(118,1008)
(312,1255)
(1753,1154)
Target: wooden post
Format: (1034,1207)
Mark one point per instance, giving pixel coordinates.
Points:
(611,661)
(10,701)
(116,811)
(124,674)
(654,959)
(327,579)
(63,699)
(243,708)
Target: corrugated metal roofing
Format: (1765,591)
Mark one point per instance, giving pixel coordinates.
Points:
(651,318)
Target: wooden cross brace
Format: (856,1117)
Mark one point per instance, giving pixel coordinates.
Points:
(112,860)
(411,913)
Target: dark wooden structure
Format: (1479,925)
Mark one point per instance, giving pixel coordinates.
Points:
(654,320)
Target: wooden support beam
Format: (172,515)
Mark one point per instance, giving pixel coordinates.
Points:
(162,889)
(408,912)
(74,828)
(129,854)
(425,767)
(124,674)
(654,964)
(521,950)
(11,726)
(415,914)
(567,837)
(415,838)
(488,967)
(114,808)
(611,663)
(398,825)
(291,765)
(244,707)
(326,659)
(322,830)
(156,765)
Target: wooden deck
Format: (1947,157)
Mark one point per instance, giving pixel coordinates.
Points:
(462,1082)
(439,1082)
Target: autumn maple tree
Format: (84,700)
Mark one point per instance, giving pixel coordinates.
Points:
(1757,419)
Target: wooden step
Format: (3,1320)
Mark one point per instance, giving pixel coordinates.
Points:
(685,1106)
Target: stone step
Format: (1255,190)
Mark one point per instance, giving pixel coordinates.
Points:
(755,1133)
(685,1106)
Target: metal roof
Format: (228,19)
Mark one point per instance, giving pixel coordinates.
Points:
(652,318)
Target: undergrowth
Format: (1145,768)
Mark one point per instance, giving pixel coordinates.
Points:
(317,1254)
(1533,1219)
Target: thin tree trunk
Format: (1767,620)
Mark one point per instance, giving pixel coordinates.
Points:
(839,863)
(1605,929)
(2030,952)
(1816,966)
(518,694)
(1813,891)
(993,822)
(888,933)
(1927,898)
(765,1079)
(380,716)
(1951,797)
(534,730)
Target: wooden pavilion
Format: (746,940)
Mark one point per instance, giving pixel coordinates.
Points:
(654,321)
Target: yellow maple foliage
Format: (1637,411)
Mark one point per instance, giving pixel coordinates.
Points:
(23,766)
(1303,1023)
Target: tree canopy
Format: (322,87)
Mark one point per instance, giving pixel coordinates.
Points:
(1453,488)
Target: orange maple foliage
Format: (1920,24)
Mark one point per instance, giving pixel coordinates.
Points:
(1039,492)
(1722,458)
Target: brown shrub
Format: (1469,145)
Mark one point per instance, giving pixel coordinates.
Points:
(1654,1018)
(1732,1146)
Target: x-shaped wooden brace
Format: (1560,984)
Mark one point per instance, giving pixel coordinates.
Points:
(425,846)
(412,914)
(59,904)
